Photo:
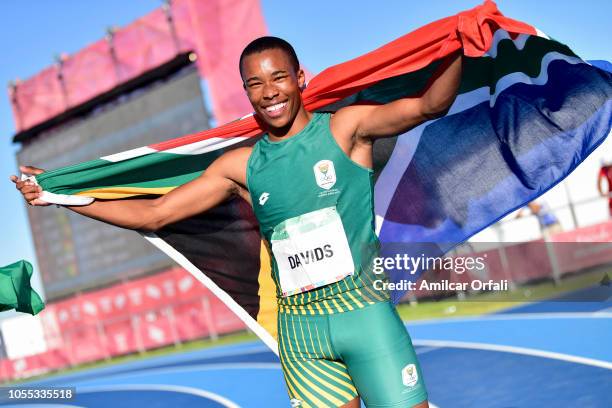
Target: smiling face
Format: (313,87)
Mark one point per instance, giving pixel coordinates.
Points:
(274,89)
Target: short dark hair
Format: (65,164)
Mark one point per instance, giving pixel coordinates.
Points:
(269,43)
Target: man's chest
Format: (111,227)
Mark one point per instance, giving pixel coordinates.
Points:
(288,187)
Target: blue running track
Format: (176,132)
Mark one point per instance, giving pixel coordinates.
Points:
(547,354)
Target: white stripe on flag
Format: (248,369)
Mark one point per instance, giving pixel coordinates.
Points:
(519,41)
(205,146)
(541,34)
(405,147)
(507,81)
(216,290)
(128,154)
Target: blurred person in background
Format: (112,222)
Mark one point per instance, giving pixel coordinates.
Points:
(549,223)
(605,173)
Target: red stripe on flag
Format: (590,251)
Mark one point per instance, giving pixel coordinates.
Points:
(471,30)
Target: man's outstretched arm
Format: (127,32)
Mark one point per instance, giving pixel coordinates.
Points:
(221,180)
(393,118)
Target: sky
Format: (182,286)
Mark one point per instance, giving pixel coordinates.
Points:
(323,33)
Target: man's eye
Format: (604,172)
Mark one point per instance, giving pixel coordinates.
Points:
(254,84)
(278,78)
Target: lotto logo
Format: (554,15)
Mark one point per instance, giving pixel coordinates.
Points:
(263,198)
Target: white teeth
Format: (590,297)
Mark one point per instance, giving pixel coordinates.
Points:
(276,107)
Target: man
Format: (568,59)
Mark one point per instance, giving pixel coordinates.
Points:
(549,224)
(605,173)
(309,180)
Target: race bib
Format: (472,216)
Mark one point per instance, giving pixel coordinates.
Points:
(311,250)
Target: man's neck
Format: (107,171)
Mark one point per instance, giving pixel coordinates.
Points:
(293,128)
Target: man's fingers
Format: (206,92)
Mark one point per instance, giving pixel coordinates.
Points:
(31,170)
(31,196)
(29,188)
(20,184)
(30,191)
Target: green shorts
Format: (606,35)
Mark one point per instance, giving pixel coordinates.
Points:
(330,359)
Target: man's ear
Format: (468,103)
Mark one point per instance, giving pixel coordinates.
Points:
(301,78)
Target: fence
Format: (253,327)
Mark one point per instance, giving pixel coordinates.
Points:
(168,308)
(586,243)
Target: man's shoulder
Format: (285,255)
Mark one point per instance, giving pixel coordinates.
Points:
(235,158)
(239,153)
(233,163)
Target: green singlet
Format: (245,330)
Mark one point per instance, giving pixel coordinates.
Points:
(315,209)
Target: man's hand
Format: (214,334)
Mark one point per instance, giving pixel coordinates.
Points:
(30,191)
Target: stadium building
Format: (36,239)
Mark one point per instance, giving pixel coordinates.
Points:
(170,73)
(138,86)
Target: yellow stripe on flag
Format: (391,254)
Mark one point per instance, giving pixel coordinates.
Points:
(268,307)
(112,193)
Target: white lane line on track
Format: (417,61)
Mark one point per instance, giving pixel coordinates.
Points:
(165,387)
(515,316)
(425,350)
(197,367)
(207,367)
(516,350)
(161,387)
(138,365)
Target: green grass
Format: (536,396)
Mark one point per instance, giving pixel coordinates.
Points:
(478,304)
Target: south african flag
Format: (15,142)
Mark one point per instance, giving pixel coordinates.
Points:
(528,112)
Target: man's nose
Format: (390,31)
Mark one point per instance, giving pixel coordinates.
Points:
(270,91)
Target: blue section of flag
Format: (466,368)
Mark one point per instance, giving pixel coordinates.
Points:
(601,64)
(473,167)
